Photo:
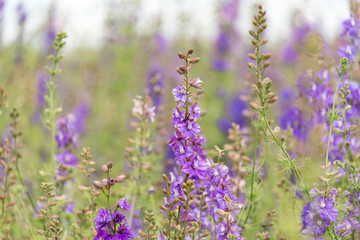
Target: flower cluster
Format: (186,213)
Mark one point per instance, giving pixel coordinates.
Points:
(325,204)
(109,222)
(351,29)
(144,109)
(66,137)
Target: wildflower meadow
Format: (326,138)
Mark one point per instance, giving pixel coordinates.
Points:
(149,137)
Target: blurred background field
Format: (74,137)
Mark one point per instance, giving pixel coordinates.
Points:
(116,47)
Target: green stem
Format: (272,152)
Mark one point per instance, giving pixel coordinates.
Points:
(331,120)
(52,111)
(297,174)
(253,176)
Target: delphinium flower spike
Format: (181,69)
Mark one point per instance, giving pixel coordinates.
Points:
(52,109)
(84,227)
(139,154)
(109,222)
(52,228)
(262,87)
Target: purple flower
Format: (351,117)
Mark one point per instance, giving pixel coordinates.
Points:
(189,129)
(312,224)
(235,112)
(351,27)
(180,95)
(66,134)
(178,116)
(349,52)
(103,217)
(195,112)
(196,167)
(67,158)
(123,204)
(21,13)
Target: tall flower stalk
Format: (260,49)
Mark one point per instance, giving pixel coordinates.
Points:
(262,87)
(52,109)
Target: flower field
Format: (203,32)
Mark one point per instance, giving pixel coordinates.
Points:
(147,137)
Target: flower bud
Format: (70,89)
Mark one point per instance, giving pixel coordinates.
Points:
(196,83)
(252,33)
(181,55)
(264,41)
(179,71)
(105,168)
(194,60)
(105,182)
(266,64)
(110,164)
(97,185)
(190,51)
(251,65)
(252,56)
(120,178)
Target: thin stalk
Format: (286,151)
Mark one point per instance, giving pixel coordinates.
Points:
(331,121)
(253,176)
(139,158)
(297,174)
(52,111)
(18,171)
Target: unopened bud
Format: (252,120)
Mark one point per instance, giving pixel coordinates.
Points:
(194,60)
(252,56)
(120,178)
(110,164)
(97,185)
(272,100)
(251,65)
(181,55)
(264,41)
(196,83)
(105,168)
(266,64)
(352,128)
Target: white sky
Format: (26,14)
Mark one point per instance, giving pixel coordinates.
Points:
(83,20)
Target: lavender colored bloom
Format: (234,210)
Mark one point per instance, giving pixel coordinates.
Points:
(312,225)
(196,167)
(69,208)
(21,13)
(179,95)
(123,204)
(66,134)
(81,113)
(351,27)
(102,219)
(67,158)
(189,129)
(222,42)
(292,117)
(349,52)
(144,109)
(178,116)
(41,88)
(105,222)
(235,112)
(221,65)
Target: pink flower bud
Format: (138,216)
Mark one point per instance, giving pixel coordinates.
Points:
(120,179)
(105,168)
